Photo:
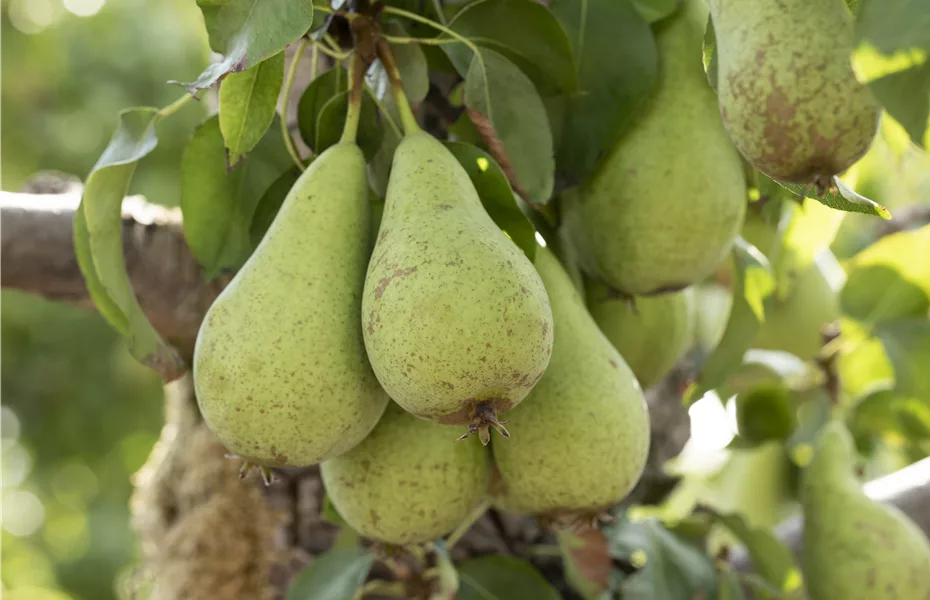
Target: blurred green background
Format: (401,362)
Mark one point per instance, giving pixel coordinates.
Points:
(79,415)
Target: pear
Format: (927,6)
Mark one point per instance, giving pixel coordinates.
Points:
(786,88)
(650,332)
(407,482)
(794,323)
(280,369)
(854,547)
(712,303)
(580,439)
(456,321)
(666,204)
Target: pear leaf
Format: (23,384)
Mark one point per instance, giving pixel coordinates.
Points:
(247,105)
(218,203)
(539,47)
(246,32)
(98,240)
(502,578)
(335,575)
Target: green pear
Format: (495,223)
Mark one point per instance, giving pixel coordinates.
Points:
(786,88)
(650,332)
(580,439)
(456,321)
(666,204)
(712,303)
(408,482)
(280,368)
(854,547)
(793,324)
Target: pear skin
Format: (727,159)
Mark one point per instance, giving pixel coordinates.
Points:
(456,321)
(409,481)
(854,547)
(651,333)
(786,89)
(280,369)
(667,202)
(580,439)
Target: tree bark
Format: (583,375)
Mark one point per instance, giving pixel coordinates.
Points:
(205,533)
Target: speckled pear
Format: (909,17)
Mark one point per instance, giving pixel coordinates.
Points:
(787,93)
(280,368)
(666,204)
(409,481)
(456,321)
(854,547)
(580,439)
(650,332)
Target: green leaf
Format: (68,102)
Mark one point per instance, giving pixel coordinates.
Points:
(320,91)
(539,46)
(810,229)
(844,198)
(907,343)
(246,32)
(335,575)
(752,284)
(505,107)
(247,105)
(656,10)
(889,279)
(670,567)
(98,239)
(331,122)
(496,196)
(906,96)
(379,167)
(502,578)
(270,203)
(217,203)
(772,559)
(411,62)
(617,63)
(892,25)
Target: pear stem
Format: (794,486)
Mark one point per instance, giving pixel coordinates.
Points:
(356,89)
(407,119)
(465,525)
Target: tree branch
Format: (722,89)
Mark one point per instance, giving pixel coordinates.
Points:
(37,256)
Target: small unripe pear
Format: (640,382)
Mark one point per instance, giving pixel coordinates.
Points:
(409,481)
(854,547)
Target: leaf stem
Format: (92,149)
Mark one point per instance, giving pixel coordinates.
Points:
(356,91)
(333,55)
(465,525)
(315,61)
(400,98)
(174,107)
(398,39)
(415,17)
(437,6)
(324,9)
(288,83)
(331,42)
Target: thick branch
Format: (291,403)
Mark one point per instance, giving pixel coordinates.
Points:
(37,256)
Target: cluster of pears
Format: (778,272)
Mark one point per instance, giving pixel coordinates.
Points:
(372,356)
(372,359)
